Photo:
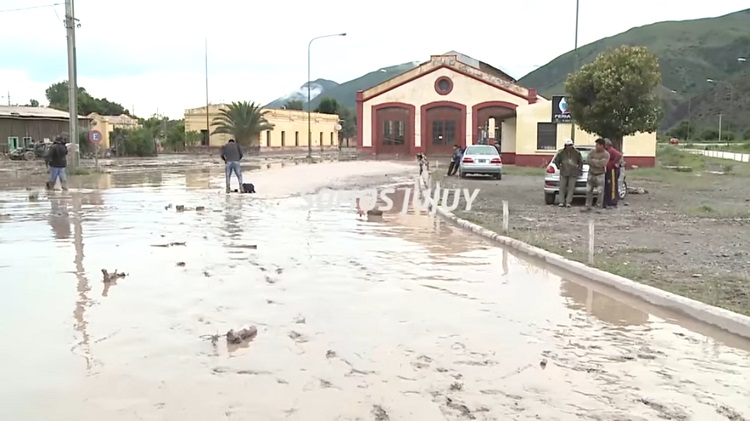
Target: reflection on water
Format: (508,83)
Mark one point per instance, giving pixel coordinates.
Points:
(605,308)
(408,315)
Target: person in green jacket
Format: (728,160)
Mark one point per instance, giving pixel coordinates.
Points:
(570,164)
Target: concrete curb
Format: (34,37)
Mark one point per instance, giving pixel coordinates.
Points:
(719,317)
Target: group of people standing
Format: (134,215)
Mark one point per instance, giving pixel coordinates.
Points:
(605,163)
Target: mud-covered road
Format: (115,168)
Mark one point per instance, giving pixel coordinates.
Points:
(404,318)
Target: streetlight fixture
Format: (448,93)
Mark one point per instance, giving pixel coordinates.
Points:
(690,106)
(309,123)
(714,82)
(575,69)
(741,59)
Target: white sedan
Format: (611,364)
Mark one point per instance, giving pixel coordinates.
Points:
(483,160)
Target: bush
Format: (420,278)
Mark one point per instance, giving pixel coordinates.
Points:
(747,134)
(137,142)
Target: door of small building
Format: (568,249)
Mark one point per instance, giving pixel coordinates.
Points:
(444,130)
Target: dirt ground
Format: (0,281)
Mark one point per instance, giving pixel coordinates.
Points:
(687,234)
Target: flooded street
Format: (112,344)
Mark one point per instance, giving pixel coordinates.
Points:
(404,318)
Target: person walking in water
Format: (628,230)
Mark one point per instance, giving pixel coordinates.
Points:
(57,160)
(231,154)
(597,159)
(570,163)
(612,176)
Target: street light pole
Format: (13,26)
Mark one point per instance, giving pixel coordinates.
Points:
(70,25)
(575,69)
(309,121)
(690,102)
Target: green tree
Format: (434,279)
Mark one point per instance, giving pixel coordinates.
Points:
(245,121)
(681,131)
(348,122)
(192,138)
(57,95)
(33,103)
(294,105)
(614,96)
(328,105)
(175,137)
(710,135)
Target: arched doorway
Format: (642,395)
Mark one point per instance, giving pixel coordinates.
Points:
(393,128)
(487,118)
(443,125)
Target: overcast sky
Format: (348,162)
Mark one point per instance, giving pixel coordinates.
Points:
(149,54)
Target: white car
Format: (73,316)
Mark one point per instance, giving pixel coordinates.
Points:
(482,160)
(552,178)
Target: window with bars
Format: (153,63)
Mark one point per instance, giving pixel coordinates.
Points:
(393,132)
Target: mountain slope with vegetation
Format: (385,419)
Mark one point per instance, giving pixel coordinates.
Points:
(690,52)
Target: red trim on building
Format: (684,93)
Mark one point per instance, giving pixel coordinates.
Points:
(487,104)
(360,113)
(437,85)
(374,123)
(508,157)
(640,161)
(528,98)
(533,96)
(460,133)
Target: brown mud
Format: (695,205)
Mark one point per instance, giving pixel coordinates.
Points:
(403,318)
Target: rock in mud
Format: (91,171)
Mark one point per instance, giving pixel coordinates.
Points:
(180,208)
(34,196)
(181,264)
(112,277)
(200,208)
(239,335)
(379,413)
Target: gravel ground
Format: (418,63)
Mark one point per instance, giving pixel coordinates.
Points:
(688,234)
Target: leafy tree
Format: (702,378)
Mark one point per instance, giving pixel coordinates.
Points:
(245,121)
(747,134)
(348,122)
(192,138)
(136,142)
(709,134)
(57,95)
(328,105)
(294,105)
(682,131)
(33,103)
(175,136)
(614,96)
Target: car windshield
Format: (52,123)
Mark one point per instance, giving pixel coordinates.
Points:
(585,154)
(481,150)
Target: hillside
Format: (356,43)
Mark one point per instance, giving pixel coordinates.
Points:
(317,87)
(345,93)
(689,53)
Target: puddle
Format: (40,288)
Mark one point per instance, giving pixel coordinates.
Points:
(404,317)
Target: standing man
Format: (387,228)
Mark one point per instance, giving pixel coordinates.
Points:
(598,159)
(570,163)
(231,154)
(612,177)
(57,160)
(453,167)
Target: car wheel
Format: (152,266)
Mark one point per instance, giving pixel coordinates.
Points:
(498,176)
(549,198)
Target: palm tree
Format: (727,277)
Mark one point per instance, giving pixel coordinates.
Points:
(245,121)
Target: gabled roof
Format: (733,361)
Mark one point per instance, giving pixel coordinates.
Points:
(469,61)
(122,119)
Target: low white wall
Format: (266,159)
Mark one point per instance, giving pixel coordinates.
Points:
(732,156)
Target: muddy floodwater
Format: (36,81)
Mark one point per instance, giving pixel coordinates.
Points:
(403,317)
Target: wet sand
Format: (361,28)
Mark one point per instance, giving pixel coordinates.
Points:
(406,318)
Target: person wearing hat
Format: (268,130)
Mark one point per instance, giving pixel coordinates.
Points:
(570,163)
(597,160)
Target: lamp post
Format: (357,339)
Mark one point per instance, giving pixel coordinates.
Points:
(309,123)
(731,98)
(575,69)
(690,106)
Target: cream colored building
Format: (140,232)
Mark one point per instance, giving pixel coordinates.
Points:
(455,99)
(289,128)
(106,124)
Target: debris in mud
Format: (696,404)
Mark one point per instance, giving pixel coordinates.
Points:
(239,335)
(112,277)
(456,386)
(637,190)
(200,208)
(664,412)
(168,207)
(246,246)
(212,338)
(300,320)
(330,354)
(730,413)
(325,384)
(174,244)
(463,409)
(206,274)
(34,196)
(180,208)
(297,337)
(543,363)
(181,264)
(379,413)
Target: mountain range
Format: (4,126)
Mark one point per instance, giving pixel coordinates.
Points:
(705,65)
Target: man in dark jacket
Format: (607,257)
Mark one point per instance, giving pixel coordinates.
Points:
(231,154)
(57,160)
(570,163)
(612,176)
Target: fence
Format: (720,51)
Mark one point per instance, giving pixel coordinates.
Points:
(732,156)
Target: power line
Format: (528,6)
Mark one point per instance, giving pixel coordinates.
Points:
(21,9)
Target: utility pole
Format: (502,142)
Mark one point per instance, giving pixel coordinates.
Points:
(70,25)
(309,121)
(719,128)
(575,69)
(208,121)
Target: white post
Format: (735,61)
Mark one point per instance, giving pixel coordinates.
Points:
(591,241)
(505,217)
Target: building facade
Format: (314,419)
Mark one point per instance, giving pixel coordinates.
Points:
(21,126)
(289,128)
(106,124)
(455,99)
